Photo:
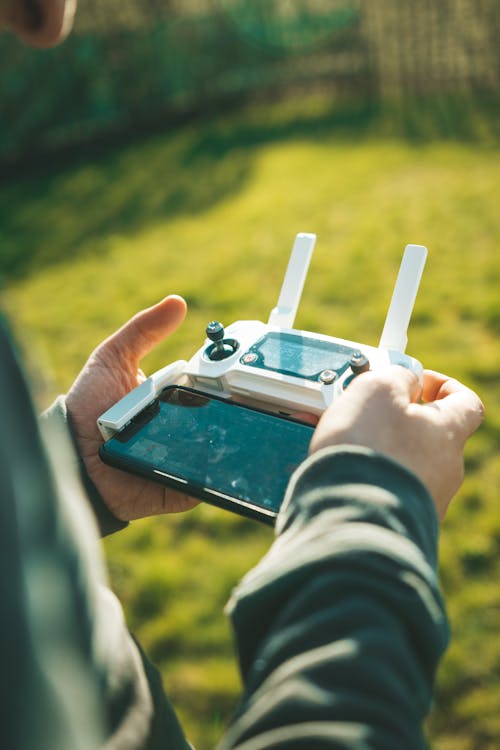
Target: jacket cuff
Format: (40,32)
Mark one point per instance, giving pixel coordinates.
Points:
(107,522)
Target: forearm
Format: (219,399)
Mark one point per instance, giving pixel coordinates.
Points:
(341,626)
(135,712)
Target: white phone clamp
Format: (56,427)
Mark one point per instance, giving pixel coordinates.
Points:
(276,367)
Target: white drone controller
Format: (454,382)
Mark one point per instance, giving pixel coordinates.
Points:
(276,367)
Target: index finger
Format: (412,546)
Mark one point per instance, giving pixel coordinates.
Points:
(454,399)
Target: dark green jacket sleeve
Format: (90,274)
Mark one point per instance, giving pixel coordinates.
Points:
(340,628)
(135,711)
(72,676)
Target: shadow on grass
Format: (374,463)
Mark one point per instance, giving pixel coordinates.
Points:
(63,210)
(69,205)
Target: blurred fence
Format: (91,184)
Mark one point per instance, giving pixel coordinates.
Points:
(135,64)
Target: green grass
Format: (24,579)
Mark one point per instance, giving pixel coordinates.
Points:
(210,213)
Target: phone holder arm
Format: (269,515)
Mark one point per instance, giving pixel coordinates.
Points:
(118,415)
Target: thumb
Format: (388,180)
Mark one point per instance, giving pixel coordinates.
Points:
(147,329)
(392,383)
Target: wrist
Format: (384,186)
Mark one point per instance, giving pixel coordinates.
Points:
(107,522)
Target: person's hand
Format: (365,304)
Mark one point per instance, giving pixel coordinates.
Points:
(382,410)
(111,371)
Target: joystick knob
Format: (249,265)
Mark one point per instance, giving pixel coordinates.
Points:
(221,347)
(215,331)
(359,363)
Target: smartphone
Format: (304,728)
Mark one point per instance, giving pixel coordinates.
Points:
(234,456)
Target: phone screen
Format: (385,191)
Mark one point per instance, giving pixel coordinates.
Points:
(226,453)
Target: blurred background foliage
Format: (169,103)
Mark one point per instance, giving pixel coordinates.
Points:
(172,146)
(132,66)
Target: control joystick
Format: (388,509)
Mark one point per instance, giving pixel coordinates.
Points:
(359,363)
(221,348)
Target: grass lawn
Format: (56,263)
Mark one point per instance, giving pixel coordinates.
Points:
(210,212)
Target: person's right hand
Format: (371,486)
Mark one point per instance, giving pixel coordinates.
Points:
(382,410)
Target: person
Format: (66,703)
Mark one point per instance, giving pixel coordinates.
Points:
(340,627)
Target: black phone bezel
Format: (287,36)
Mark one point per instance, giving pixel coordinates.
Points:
(188,487)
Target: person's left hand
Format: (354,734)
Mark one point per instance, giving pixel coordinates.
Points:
(111,371)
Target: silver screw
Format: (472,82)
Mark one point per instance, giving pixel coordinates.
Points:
(328,376)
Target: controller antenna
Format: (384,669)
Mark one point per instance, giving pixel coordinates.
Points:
(395,333)
(283,315)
